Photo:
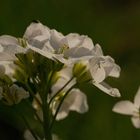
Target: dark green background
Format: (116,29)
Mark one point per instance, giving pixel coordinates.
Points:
(115,25)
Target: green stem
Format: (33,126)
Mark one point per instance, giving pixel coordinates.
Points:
(45,109)
(46,120)
(59,106)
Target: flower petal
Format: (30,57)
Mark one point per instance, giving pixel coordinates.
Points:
(8,67)
(36,29)
(18,93)
(110,67)
(96,70)
(136,121)
(137,98)
(72,40)
(98,50)
(75,101)
(9,46)
(124,107)
(80,101)
(6,40)
(55,40)
(86,42)
(107,89)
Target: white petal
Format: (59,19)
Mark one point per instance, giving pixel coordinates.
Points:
(2,70)
(18,93)
(137,98)
(72,40)
(75,101)
(55,40)
(8,67)
(80,101)
(62,114)
(107,89)
(65,75)
(98,50)
(77,52)
(7,56)
(96,70)
(28,135)
(86,42)
(110,67)
(45,54)
(136,121)
(124,107)
(8,40)
(9,46)
(115,72)
(36,29)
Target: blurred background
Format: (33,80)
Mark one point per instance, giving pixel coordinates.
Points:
(115,25)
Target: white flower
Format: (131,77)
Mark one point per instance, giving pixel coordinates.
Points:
(18,93)
(126,107)
(54,45)
(76,100)
(9,46)
(101,67)
(14,95)
(44,41)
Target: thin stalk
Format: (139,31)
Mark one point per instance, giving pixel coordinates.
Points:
(59,106)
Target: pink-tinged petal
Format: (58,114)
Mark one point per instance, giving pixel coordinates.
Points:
(137,98)
(114,92)
(136,121)
(124,107)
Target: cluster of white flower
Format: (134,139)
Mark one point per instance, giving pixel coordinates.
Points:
(78,54)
